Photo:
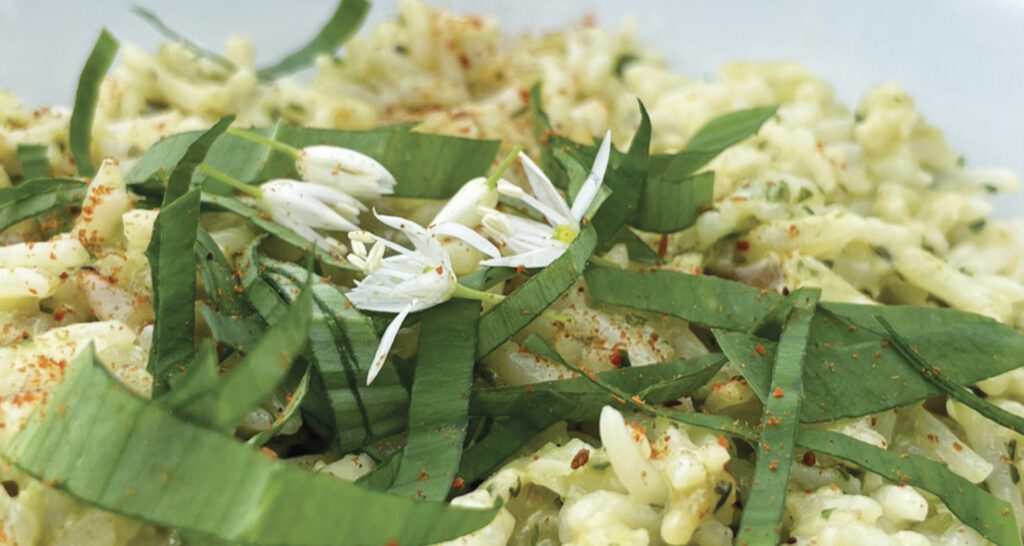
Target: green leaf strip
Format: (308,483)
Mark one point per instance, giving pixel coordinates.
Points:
(171,34)
(438,410)
(33,160)
(762,516)
(342,25)
(88,93)
(36,197)
(960,393)
(295,400)
(181,177)
(175,474)
(519,308)
(991,517)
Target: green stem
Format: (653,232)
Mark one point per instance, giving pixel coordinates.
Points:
(292,151)
(226,178)
(492,181)
(467,293)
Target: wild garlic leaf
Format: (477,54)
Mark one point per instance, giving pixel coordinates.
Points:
(33,161)
(762,514)
(671,204)
(730,129)
(199,378)
(253,215)
(519,308)
(295,399)
(254,379)
(88,92)
(342,342)
(992,518)
(935,374)
(173,263)
(342,25)
(237,332)
(853,370)
(178,475)
(218,276)
(424,165)
(33,198)
(706,300)
(438,409)
(171,34)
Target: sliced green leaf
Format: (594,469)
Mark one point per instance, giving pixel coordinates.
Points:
(218,276)
(912,354)
(535,295)
(199,378)
(729,129)
(853,370)
(342,25)
(639,251)
(36,197)
(673,204)
(175,474)
(440,400)
(238,332)
(80,129)
(992,518)
(172,263)
(762,516)
(702,299)
(295,399)
(33,160)
(171,34)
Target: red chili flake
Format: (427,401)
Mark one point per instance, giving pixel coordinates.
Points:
(59,314)
(663,246)
(760,349)
(773,466)
(616,358)
(933,438)
(529,388)
(422,477)
(777,393)
(439,270)
(772,421)
(809,459)
(269,452)
(458,483)
(742,246)
(464,61)
(723,442)
(392,543)
(958,446)
(524,95)
(580,459)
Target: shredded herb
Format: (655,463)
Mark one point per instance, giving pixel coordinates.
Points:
(80,129)
(36,197)
(33,160)
(342,25)
(171,34)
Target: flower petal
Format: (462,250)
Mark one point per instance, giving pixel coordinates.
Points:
(386,341)
(346,170)
(467,235)
(462,207)
(588,191)
(541,257)
(543,189)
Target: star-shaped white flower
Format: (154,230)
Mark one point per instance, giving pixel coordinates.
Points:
(527,242)
(411,279)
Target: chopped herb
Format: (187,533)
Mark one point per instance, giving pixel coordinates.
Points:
(80,129)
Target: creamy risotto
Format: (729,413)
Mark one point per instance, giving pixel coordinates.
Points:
(866,203)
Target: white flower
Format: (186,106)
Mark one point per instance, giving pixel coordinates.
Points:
(464,207)
(408,281)
(305,208)
(537,244)
(356,174)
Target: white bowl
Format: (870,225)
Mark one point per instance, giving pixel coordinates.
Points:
(961,60)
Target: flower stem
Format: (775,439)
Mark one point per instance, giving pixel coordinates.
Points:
(226,178)
(492,181)
(269,143)
(467,293)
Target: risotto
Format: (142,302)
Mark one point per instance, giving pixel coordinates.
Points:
(464,287)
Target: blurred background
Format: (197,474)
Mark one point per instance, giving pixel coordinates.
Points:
(963,60)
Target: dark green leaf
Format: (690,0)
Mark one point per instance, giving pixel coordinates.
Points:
(440,400)
(295,399)
(729,129)
(36,197)
(762,515)
(639,251)
(912,354)
(175,474)
(989,516)
(201,375)
(238,332)
(172,263)
(342,25)
(672,204)
(80,129)
(33,160)
(852,369)
(535,295)
(218,275)
(171,34)
(709,301)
